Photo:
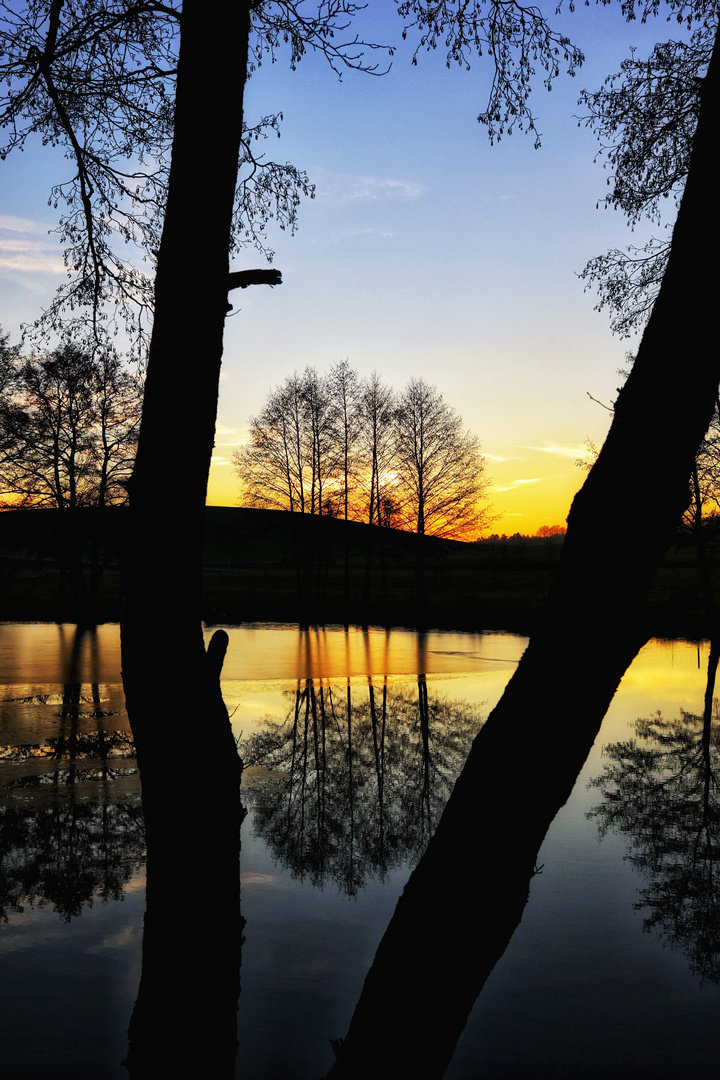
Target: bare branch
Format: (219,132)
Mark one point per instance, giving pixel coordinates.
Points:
(516,37)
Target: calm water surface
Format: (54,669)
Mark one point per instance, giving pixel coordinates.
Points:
(613,971)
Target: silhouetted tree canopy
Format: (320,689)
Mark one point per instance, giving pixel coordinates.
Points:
(440,470)
(644,118)
(704,480)
(69,423)
(376,436)
(71,830)
(347,447)
(660,791)
(99,80)
(69,854)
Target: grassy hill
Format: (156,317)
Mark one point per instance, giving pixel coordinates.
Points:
(267,565)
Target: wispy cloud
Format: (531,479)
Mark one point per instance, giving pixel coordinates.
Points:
(349,187)
(518,483)
(228,437)
(576,450)
(345,236)
(26,248)
(12,223)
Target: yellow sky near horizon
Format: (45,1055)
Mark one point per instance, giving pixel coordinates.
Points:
(426,252)
(518,503)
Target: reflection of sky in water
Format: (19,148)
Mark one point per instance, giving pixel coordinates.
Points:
(46,653)
(665,673)
(67,991)
(257,653)
(581,991)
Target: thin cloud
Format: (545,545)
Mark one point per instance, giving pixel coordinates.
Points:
(228,437)
(26,248)
(518,483)
(11,223)
(347,187)
(344,236)
(577,451)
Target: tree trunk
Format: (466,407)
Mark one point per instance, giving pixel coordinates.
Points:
(172,685)
(450,926)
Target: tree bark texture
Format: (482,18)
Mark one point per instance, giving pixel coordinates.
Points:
(467,895)
(186,752)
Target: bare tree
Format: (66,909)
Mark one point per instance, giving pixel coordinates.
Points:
(335,445)
(271,467)
(344,390)
(100,80)
(118,403)
(164,578)
(324,451)
(291,461)
(377,410)
(645,117)
(69,429)
(440,469)
(705,479)
(9,362)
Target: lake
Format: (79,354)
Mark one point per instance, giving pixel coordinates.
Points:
(352,740)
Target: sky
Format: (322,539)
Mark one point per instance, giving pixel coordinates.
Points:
(426,252)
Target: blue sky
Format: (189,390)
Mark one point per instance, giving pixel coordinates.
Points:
(426,252)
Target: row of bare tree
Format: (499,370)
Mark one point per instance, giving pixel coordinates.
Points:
(355,448)
(68,427)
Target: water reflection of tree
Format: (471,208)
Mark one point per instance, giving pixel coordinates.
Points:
(67,855)
(361,776)
(58,846)
(660,791)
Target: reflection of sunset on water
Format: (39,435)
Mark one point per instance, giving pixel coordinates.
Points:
(578,932)
(46,652)
(337,652)
(665,676)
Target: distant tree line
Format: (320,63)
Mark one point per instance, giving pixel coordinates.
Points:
(69,422)
(356,448)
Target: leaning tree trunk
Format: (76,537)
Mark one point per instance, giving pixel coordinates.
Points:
(467,895)
(189,765)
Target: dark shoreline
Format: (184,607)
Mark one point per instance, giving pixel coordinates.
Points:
(688,626)
(265,566)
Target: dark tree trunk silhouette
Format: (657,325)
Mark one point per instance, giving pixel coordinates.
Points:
(172,683)
(469,890)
